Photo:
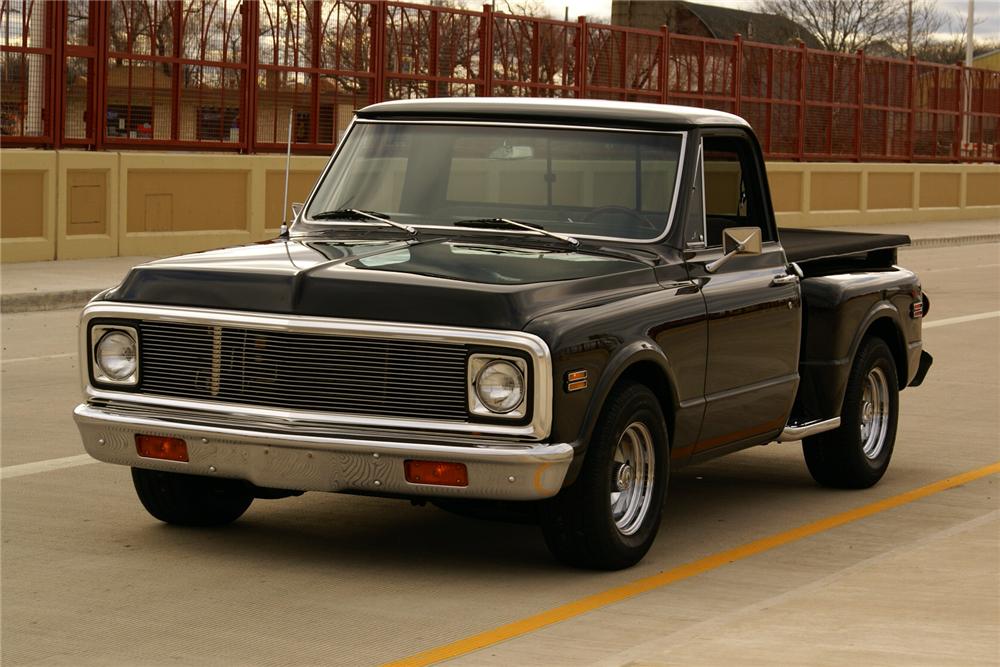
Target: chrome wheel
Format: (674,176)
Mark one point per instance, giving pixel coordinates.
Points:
(632,474)
(874,413)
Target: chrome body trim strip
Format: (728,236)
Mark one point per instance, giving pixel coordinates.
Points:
(324,463)
(370,121)
(537,429)
(799,431)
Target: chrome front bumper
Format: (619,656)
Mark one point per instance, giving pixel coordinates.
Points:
(311,462)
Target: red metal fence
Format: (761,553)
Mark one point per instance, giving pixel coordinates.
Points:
(225,74)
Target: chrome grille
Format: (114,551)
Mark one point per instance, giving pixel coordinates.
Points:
(330,373)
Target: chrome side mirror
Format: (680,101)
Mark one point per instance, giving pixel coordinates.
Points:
(296,209)
(737,241)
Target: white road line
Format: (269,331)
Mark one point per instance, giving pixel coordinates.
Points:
(45,466)
(72,461)
(959,320)
(41,358)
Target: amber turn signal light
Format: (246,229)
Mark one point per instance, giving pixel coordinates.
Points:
(576,380)
(158,447)
(441,473)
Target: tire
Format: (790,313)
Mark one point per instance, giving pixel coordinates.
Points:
(191,500)
(591,523)
(856,455)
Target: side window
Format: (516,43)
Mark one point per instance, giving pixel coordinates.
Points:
(732,196)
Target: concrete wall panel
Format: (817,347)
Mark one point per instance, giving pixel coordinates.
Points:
(890,190)
(940,189)
(786,190)
(983,189)
(27,205)
(835,191)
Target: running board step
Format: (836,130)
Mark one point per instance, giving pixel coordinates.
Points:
(799,431)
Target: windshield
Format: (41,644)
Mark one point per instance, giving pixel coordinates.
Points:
(579,182)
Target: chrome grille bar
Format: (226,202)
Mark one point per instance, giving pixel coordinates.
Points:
(329,373)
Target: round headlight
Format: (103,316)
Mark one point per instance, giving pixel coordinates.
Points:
(116,355)
(500,386)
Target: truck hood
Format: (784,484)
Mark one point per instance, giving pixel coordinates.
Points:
(474,283)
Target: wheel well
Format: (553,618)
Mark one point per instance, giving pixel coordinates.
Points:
(653,376)
(887,330)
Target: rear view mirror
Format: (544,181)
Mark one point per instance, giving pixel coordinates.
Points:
(737,241)
(511,152)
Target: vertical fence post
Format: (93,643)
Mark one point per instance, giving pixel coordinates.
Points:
(175,71)
(961,127)
(248,115)
(770,103)
(432,58)
(99,11)
(486,49)
(379,51)
(317,36)
(803,54)
(912,123)
(55,110)
(860,118)
(737,73)
(664,64)
(582,56)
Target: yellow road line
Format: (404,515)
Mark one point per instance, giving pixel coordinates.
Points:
(617,594)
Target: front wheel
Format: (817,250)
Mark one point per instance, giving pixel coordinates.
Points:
(608,518)
(191,500)
(856,455)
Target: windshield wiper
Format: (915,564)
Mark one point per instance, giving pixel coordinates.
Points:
(495,223)
(356,214)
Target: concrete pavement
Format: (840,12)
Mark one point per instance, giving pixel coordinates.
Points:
(89,579)
(34,286)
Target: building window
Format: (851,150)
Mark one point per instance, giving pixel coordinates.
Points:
(218,124)
(131,121)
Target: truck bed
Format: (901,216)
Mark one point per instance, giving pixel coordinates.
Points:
(810,245)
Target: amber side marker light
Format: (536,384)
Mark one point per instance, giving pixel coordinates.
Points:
(576,380)
(441,473)
(158,447)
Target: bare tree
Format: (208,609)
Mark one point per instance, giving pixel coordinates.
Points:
(841,25)
(919,24)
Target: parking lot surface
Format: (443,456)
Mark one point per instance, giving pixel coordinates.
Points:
(755,564)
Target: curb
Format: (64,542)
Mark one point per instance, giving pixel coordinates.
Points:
(945,241)
(27,302)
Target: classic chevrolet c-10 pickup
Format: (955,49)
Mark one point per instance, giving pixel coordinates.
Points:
(533,304)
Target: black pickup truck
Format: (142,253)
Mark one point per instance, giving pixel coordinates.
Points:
(550,303)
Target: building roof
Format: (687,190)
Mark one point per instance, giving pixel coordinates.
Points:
(725,23)
(551,110)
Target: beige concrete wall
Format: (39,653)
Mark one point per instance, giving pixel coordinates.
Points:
(78,204)
(819,194)
(27,205)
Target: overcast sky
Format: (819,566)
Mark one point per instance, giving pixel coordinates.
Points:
(987,11)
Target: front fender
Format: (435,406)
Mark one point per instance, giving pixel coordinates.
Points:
(648,363)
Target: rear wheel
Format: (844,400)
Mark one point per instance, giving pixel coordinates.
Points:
(857,454)
(608,518)
(191,500)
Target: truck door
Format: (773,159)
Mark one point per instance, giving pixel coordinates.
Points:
(753,303)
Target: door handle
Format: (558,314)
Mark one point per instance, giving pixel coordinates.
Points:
(785,279)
